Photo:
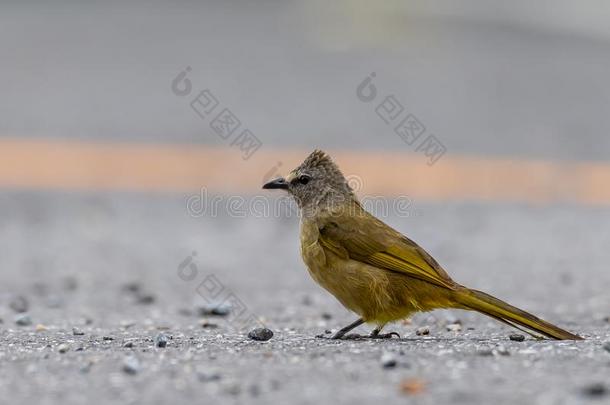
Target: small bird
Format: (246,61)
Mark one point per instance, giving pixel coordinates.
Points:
(374,270)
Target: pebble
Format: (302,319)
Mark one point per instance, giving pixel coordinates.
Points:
(131,365)
(87,367)
(424,330)
(261,334)
(306,300)
(454,327)
(19,304)
(128,345)
(70,283)
(77,332)
(161,340)
(132,286)
(107,338)
(388,360)
(63,348)
(40,328)
(502,351)
(517,337)
(208,325)
(207,376)
(326,316)
(23,320)
(595,390)
(145,298)
(214,309)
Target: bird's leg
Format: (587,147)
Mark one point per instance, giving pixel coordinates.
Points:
(376,333)
(349,327)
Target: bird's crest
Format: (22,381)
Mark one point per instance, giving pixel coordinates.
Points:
(318,159)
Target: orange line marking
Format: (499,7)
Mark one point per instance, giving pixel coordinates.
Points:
(74,165)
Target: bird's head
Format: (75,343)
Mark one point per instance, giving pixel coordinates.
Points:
(317,180)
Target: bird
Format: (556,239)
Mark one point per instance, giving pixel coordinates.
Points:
(372,269)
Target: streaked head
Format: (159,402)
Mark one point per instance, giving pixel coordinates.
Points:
(317,178)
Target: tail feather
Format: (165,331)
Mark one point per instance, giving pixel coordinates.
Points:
(513,316)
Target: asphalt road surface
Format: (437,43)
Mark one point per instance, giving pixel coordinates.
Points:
(120,269)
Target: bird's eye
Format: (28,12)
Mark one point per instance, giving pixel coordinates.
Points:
(304,179)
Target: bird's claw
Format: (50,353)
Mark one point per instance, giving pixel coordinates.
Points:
(384,335)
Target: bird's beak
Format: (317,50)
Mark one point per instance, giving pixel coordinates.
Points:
(280,183)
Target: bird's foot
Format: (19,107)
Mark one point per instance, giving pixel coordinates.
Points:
(378,335)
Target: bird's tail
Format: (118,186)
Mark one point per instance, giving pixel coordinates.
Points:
(503,312)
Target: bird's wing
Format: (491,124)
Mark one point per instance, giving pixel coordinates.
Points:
(364,238)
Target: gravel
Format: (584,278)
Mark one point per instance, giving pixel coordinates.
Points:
(260,334)
(19,304)
(516,337)
(388,360)
(214,309)
(23,320)
(131,365)
(161,340)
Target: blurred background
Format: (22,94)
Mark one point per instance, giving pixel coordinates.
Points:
(134,134)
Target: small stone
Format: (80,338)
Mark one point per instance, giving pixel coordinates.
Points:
(454,327)
(131,365)
(502,351)
(40,328)
(260,334)
(595,390)
(23,320)
(388,360)
(77,332)
(107,338)
(326,316)
(208,325)
(70,283)
(128,345)
(424,330)
(63,348)
(132,287)
(517,337)
(161,340)
(145,298)
(207,376)
(19,304)
(87,367)
(214,310)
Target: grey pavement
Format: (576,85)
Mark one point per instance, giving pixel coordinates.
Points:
(109,266)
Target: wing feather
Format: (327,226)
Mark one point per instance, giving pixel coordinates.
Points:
(364,238)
